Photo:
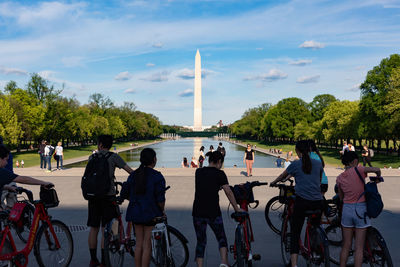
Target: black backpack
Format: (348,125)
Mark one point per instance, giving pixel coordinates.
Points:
(96,181)
(222,150)
(51,151)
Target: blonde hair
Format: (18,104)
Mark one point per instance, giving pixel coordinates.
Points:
(59,144)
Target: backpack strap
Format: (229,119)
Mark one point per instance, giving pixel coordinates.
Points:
(362,194)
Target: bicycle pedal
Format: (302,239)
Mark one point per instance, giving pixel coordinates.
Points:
(256,257)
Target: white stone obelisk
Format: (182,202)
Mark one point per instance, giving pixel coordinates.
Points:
(197,123)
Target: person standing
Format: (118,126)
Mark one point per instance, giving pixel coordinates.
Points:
(145,189)
(102,209)
(42,146)
(351,147)
(48,152)
(59,156)
(366,156)
(278,162)
(248,159)
(221,149)
(287,163)
(201,157)
(307,173)
(350,192)
(314,154)
(206,210)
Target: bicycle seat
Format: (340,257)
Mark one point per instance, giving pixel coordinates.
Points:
(160,219)
(239,215)
(313,212)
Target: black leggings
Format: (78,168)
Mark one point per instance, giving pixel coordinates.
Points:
(366,160)
(301,205)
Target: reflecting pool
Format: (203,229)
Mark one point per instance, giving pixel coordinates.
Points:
(170,154)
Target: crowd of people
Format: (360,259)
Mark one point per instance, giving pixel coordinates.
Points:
(47,152)
(145,190)
(198,163)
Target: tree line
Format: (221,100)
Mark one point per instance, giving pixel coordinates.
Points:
(39,111)
(373,119)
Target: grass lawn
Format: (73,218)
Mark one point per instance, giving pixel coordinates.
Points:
(331,155)
(31,158)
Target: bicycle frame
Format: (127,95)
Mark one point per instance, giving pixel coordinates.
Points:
(247,229)
(39,215)
(159,232)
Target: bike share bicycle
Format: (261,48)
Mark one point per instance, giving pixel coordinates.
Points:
(117,242)
(376,252)
(244,233)
(52,241)
(315,248)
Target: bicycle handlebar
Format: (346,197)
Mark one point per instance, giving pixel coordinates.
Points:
(28,193)
(257,183)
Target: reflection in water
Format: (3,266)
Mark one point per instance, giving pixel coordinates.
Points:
(170,154)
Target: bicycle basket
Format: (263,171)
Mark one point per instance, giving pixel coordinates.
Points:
(285,192)
(243,192)
(49,197)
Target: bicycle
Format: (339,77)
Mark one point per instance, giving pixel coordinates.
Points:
(315,248)
(116,242)
(22,224)
(376,252)
(244,231)
(52,241)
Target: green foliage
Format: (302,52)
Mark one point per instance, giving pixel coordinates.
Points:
(40,89)
(10,128)
(319,105)
(249,126)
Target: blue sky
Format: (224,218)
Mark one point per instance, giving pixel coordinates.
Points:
(252,52)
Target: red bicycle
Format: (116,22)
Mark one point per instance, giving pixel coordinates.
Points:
(52,241)
(244,231)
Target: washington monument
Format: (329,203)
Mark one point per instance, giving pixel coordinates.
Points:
(197,124)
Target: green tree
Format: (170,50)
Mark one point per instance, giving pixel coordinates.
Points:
(10,128)
(319,105)
(10,87)
(40,89)
(281,119)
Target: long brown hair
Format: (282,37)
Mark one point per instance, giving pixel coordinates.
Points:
(146,158)
(303,147)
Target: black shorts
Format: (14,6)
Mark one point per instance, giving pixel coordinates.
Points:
(150,223)
(101,211)
(324,188)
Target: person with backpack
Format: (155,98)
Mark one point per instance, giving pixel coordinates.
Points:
(145,189)
(206,210)
(351,188)
(221,149)
(48,153)
(99,189)
(366,156)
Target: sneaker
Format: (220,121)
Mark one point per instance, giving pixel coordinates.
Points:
(94,263)
(47,171)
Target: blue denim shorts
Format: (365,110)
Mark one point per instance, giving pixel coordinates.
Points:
(350,218)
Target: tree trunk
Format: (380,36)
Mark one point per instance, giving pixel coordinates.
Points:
(387,146)
(379,145)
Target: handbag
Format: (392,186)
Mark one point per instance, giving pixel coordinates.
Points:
(372,198)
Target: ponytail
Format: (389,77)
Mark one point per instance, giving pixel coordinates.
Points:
(303,147)
(147,157)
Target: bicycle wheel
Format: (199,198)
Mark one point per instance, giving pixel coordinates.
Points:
(286,237)
(159,254)
(7,248)
(113,249)
(178,247)
(45,249)
(319,248)
(23,230)
(378,254)
(334,234)
(274,211)
(240,249)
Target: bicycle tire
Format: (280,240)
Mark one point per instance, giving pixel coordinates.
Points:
(285,242)
(272,214)
(334,235)
(27,217)
(319,248)
(380,251)
(43,245)
(113,254)
(178,247)
(240,256)
(7,248)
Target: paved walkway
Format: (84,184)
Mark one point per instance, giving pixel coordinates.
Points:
(73,211)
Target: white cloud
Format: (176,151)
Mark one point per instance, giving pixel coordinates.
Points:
(308,79)
(300,62)
(188,74)
(355,88)
(123,76)
(158,45)
(130,91)
(73,61)
(47,74)
(157,77)
(272,75)
(150,64)
(9,71)
(186,93)
(312,45)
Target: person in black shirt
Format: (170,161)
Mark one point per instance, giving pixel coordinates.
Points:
(248,159)
(206,209)
(7,177)
(366,157)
